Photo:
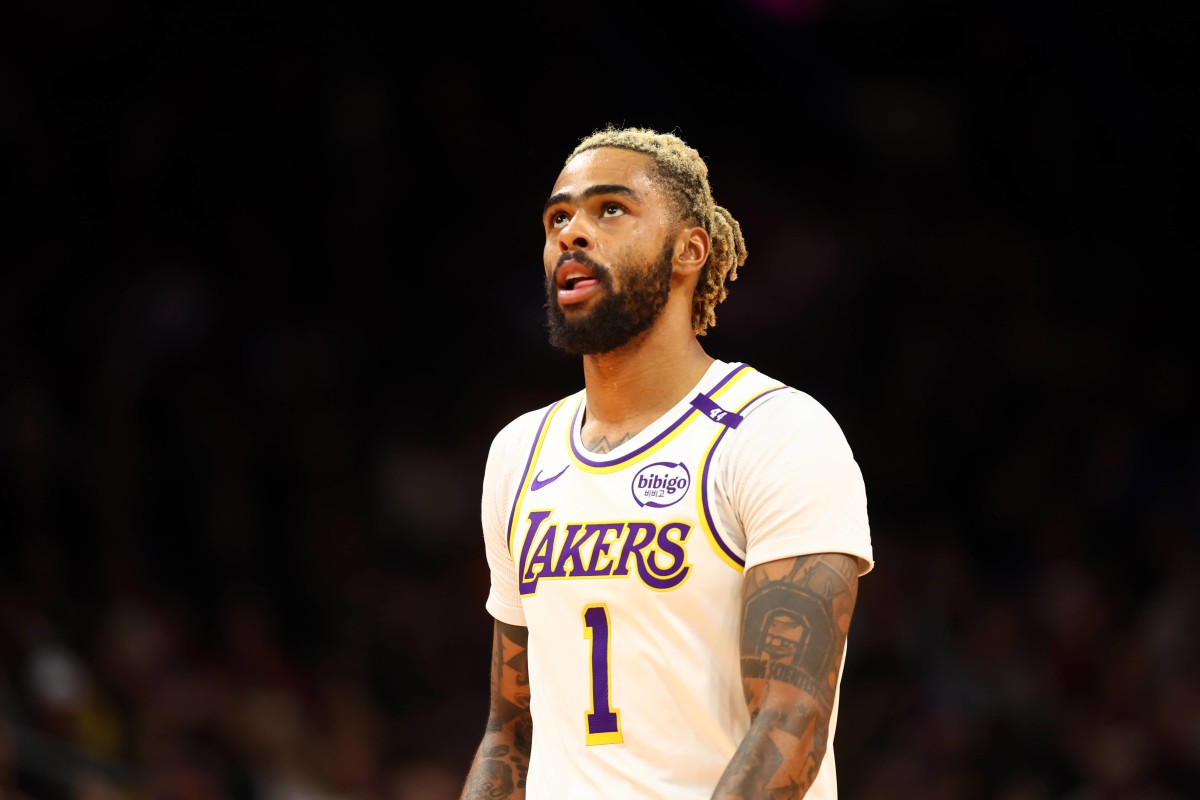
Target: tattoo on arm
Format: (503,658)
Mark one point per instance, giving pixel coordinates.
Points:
(796,615)
(501,764)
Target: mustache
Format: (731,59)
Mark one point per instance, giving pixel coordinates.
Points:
(580,257)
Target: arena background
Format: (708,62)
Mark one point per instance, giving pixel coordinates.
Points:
(271,282)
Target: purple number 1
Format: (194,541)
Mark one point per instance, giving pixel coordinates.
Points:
(603,721)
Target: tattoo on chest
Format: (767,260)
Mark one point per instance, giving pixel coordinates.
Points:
(604,445)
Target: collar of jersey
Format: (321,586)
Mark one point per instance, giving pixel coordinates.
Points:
(656,434)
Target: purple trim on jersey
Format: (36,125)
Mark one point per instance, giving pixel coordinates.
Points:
(512,514)
(708,517)
(589,462)
(705,405)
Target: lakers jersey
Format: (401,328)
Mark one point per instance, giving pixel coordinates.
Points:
(627,567)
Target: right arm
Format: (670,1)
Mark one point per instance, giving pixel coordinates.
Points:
(501,764)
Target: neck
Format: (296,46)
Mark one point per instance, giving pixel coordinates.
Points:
(632,386)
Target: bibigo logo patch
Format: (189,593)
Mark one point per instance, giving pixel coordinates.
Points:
(661,485)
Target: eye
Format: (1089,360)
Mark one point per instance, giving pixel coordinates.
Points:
(556,219)
(612,209)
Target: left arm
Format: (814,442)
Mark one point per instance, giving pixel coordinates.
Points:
(795,616)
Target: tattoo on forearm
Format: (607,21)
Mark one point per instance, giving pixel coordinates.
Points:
(510,676)
(797,615)
(501,764)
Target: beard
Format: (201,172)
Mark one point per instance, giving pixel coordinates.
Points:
(617,316)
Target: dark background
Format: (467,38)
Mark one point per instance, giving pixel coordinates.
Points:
(271,282)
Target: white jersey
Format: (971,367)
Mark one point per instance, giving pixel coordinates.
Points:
(627,568)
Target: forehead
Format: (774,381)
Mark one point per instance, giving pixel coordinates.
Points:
(606,166)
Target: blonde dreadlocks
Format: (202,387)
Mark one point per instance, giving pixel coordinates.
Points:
(683,172)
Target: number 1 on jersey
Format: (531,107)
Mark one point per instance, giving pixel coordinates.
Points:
(603,721)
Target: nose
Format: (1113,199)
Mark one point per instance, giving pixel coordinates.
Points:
(575,235)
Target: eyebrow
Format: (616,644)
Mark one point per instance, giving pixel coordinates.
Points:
(591,191)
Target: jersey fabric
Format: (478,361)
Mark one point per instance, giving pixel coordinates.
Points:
(627,569)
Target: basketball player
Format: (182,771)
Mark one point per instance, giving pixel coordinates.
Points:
(674,549)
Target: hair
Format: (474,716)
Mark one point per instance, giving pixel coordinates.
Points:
(683,173)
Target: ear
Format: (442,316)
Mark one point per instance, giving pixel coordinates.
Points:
(692,246)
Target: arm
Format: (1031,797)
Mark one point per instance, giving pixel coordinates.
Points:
(795,616)
(501,763)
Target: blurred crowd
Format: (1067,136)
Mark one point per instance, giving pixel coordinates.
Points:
(170,629)
(258,332)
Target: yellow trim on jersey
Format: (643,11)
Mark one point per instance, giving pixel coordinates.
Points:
(621,464)
(700,515)
(746,370)
(629,462)
(533,460)
(703,518)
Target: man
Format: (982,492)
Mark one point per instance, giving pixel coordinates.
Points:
(675,549)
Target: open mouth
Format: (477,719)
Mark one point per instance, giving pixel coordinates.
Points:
(571,274)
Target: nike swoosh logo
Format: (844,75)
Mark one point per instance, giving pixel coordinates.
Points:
(539,483)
